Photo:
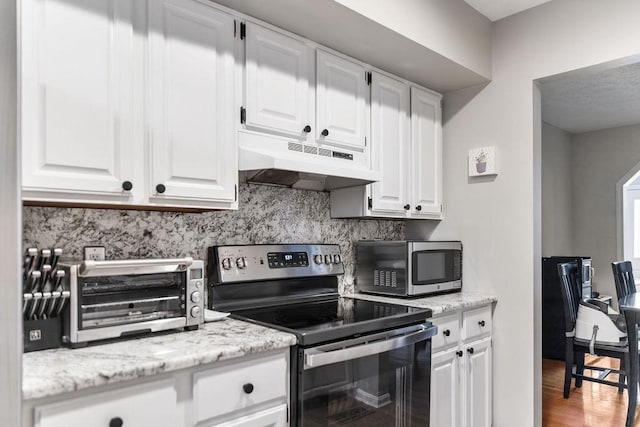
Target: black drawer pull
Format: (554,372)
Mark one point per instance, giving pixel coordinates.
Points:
(419,208)
(470,350)
(116,422)
(127,186)
(160,188)
(459,353)
(481,323)
(407,207)
(325,132)
(248,388)
(306,129)
(446,332)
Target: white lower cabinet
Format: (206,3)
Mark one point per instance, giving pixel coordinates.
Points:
(252,391)
(149,405)
(461,386)
(274,417)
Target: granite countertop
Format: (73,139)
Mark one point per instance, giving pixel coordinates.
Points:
(439,304)
(52,372)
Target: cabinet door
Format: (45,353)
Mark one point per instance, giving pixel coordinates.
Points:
(149,405)
(341,101)
(77,103)
(445,389)
(278,70)
(426,154)
(477,384)
(389,143)
(191,102)
(273,417)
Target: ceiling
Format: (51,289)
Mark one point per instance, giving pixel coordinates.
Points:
(498,9)
(584,102)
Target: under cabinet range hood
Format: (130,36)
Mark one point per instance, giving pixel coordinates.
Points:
(268,160)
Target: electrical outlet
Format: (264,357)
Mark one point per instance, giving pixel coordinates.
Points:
(94,253)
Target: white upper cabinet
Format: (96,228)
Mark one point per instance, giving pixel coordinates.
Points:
(278,75)
(426,153)
(389,135)
(77,108)
(342,95)
(191,102)
(128,104)
(406,146)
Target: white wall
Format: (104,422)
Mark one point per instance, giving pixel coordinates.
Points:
(10,226)
(600,160)
(557,221)
(436,25)
(498,219)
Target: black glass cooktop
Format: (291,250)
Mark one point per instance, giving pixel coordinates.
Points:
(339,318)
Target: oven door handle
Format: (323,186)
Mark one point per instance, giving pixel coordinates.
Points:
(316,357)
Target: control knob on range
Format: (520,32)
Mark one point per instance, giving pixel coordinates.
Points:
(196,297)
(317,259)
(226,263)
(328,259)
(195,312)
(336,259)
(241,262)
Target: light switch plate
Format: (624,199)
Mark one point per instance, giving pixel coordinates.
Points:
(94,253)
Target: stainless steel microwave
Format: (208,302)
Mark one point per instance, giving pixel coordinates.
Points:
(408,267)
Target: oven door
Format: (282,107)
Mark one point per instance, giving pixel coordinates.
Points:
(378,379)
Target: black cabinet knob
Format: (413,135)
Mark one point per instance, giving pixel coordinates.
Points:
(248,388)
(470,350)
(160,188)
(325,132)
(446,332)
(419,208)
(306,129)
(459,353)
(407,207)
(116,422)
(127,186)
(481,323)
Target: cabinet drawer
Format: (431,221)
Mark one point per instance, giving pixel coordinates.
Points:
(476,323)
(448,332)
(274,417)
(239,386)
(148,405)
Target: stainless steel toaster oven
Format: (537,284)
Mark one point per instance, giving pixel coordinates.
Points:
(408,267)
(111,299)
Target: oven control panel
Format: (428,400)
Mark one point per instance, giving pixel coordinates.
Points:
(266,262)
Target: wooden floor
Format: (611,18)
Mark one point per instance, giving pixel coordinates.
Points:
(591,405)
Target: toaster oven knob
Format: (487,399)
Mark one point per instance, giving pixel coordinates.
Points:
(328,259)
(195,312)
(336,259)
(241,262)
(226,263)
(317,259)
(196,297)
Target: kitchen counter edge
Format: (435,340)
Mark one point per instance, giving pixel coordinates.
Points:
(62,370)
(439,304)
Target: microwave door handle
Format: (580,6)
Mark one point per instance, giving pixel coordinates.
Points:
(314,358)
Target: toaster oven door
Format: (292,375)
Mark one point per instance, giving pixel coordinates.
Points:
(123,299)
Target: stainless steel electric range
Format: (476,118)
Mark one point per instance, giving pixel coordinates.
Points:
(356,362)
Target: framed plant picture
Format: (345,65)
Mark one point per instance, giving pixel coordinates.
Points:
(482,161)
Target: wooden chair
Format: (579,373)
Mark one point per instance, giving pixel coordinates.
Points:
(623,276)
(575,349)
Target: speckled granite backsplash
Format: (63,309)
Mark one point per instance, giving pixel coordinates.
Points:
(266,215)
